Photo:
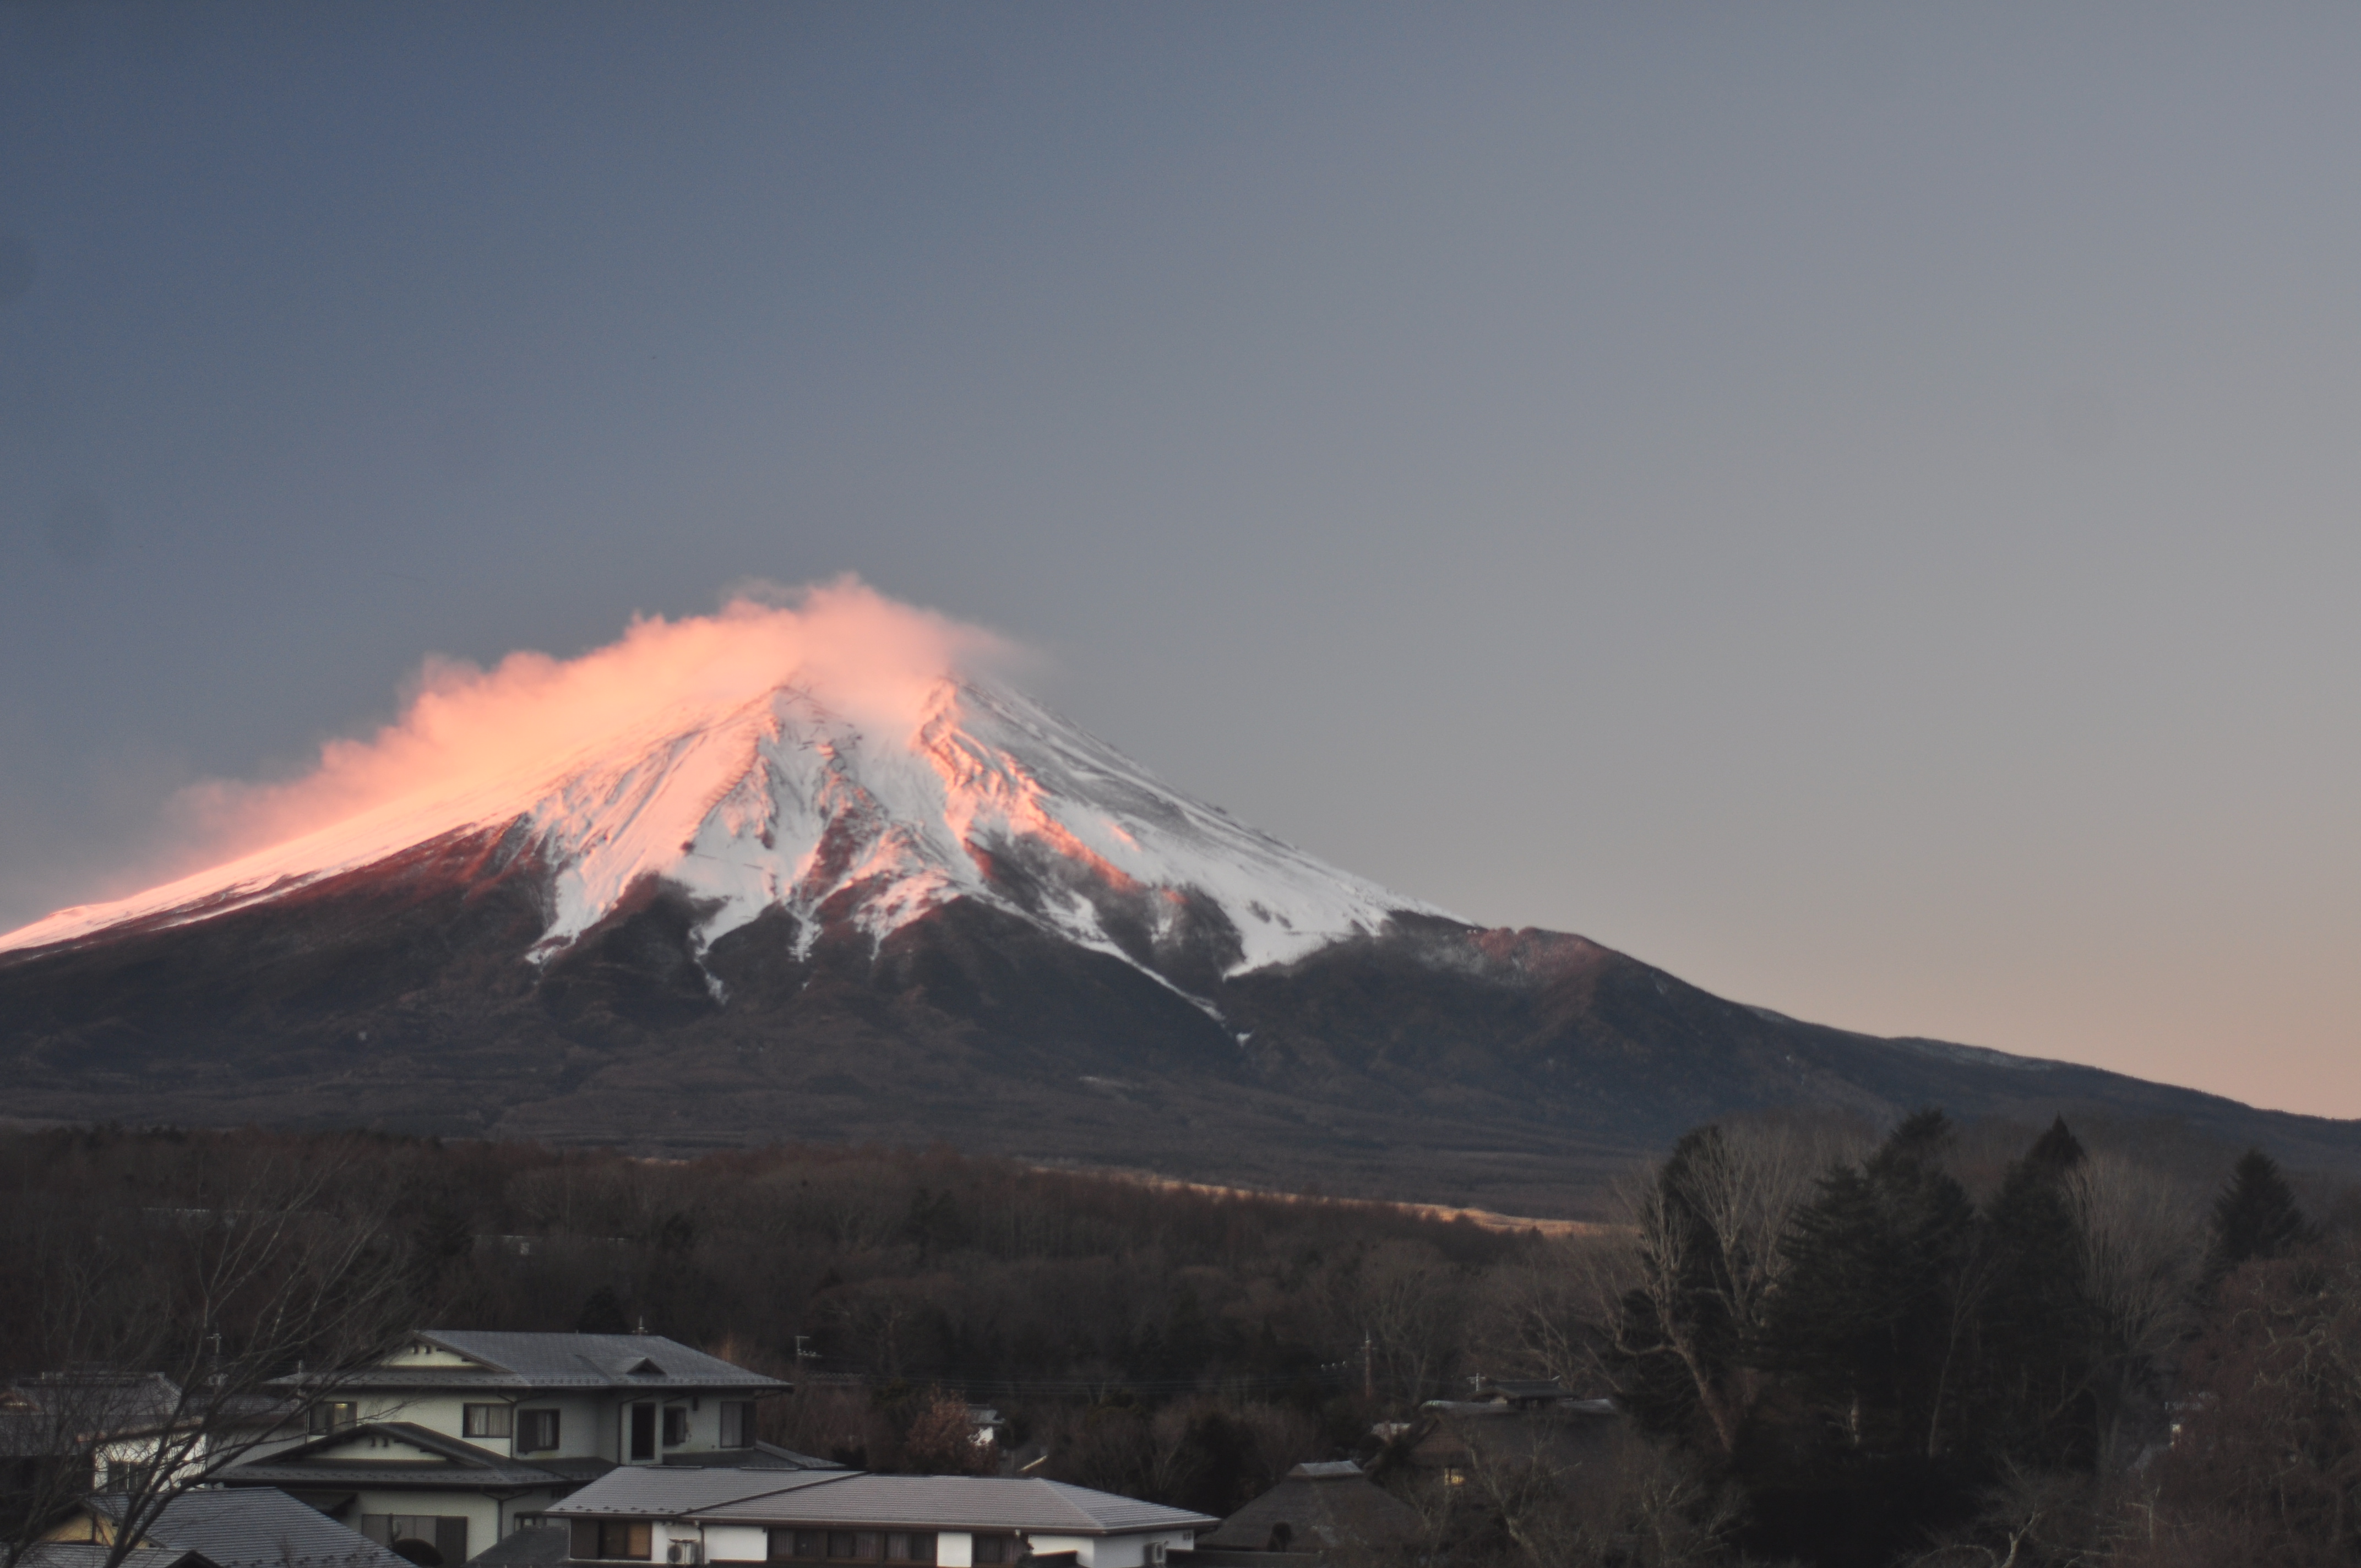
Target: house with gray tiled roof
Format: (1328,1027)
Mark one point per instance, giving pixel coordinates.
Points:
(454,1439)
(118,1425)
(860,1520)
(251,1528)
(1325,1506)
(94,1555)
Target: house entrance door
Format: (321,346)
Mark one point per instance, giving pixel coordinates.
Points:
(642,1419)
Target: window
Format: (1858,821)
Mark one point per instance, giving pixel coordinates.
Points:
(485,1421)
(737,1423)
(640,1422)
(996,1549)
(537,1430)
(855,1546)
(129,1475)
(428,1540)
(675,1425)
(333,1415)
(614,1539)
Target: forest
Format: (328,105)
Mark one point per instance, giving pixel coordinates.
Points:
(1829,1344)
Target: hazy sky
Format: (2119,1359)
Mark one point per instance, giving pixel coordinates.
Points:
(1858,505)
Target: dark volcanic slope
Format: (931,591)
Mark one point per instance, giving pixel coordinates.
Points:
(1438,1061)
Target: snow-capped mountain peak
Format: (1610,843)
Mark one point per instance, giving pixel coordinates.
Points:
(786,802)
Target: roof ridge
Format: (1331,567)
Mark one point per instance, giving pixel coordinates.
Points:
(435,1337)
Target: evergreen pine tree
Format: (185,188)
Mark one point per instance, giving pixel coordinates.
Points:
(2036,1326)
(1868,1323)
(602,1314)
(2056,1151)
(2255,1217)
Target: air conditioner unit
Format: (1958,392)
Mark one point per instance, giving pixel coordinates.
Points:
(1156,1554)
(684,1551)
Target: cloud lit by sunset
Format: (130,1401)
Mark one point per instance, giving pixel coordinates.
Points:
(871,659)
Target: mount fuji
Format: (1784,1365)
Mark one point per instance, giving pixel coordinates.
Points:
(754,914)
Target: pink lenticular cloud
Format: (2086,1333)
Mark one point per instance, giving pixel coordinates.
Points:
(867,656)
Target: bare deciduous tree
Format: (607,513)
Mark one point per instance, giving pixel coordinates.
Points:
(1704,1235)
(1548,1313)
(2142,1245)
(1629,1503)
(1411,1303)
(178,1329)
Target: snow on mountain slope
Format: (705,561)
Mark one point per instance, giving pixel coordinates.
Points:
(783,802)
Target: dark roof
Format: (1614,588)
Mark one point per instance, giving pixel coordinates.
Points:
(761,1456)
(58,1412)
(89,1554)
(1447,1432)
(1325,1507)
(967,1502)
(770,1456)
(929,1502)
(650,1491)
(256,1528)
(1325,1470)
(540,1546)
(577,1469)
(525,1360)
(454,1463)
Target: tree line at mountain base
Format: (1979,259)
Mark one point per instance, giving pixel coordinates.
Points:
(1943,1345)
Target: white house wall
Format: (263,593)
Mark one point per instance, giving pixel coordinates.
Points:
(953,1549)
(586,1430)
(1121,1551)
(440,1412)
(737,1543)
(589,1426)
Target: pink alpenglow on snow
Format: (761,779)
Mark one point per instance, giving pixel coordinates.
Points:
(775,754)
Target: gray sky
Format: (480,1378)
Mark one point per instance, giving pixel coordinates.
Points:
(1857,506)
